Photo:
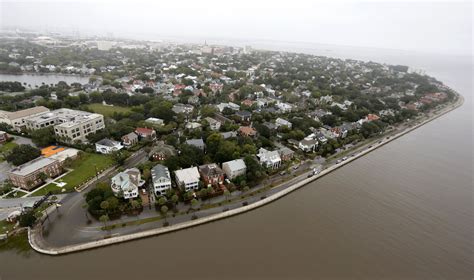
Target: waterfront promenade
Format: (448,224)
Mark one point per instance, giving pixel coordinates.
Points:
(39,243)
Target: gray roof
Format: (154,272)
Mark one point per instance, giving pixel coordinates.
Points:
(196,142)
(32,166)
(229,134)
(107,142)
(160,171)
(235,164)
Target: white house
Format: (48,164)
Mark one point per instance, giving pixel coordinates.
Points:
(284,107)
(234,168)
(279,122)
(125,184)
(107,146)
(187,179)
(161,178)
(155,121)
(270,159)
(213,124)
(308,145)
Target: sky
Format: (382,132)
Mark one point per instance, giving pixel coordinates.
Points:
(428,26)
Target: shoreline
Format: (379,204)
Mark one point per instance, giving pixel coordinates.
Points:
(35,235)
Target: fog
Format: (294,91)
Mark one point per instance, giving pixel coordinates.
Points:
(439,27)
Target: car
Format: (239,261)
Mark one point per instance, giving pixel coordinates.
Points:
(282,173)
(338,161)
(370,146)
(344,158)
(310,175)
(296,167)
(380,142)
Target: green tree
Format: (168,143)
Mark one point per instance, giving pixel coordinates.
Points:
(43,137)
(164,211)
(22,153)
(104,219)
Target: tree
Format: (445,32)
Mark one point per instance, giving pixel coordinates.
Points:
(27,219)
(22,153)
(174,199)
(104,205)
(162,201)
(43,137)
(42,176)
(194,202)
(104,219)
(135,204)
(227,194)
(164,211)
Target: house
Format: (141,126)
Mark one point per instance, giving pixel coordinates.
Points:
(17,119)
(161,178)
(146,133)
(198,143)
(211,174)
(269,159)
(247,131)
(284,107)
(229,105)
(229,134)
(187,179)
(107,146)
(286,154)
(282,122)
(308,145)
(155,121)
(130,139)
(213,124)
(193,125)
(125,184)
(27,176)
(3,137)
(244,116)
(234,168)
(161,151)
(270,126)
(182,108)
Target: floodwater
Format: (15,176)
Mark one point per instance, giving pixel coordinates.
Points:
(33,80)
(403,211)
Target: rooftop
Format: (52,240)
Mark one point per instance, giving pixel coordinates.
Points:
(32,166)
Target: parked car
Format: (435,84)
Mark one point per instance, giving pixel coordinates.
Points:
(282,173)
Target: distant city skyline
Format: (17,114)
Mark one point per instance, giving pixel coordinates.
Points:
(420,26)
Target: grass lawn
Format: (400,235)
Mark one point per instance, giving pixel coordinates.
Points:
(108,111)
(83,170)
(5,148)
(5,226)
(18,194)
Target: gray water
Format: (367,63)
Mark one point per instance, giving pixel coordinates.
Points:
(48,79)
(403,211)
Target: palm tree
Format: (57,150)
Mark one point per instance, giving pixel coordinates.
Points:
(104,219)
(194,202)
(227,194)
(174,199)
(104,205)
(164,211)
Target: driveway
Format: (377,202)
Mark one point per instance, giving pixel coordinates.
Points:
(23,140)
(4,168)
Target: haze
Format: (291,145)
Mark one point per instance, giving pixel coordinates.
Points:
(439,27)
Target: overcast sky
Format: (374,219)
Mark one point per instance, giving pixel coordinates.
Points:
(433,26)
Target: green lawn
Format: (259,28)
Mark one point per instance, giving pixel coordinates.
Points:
(108,111)
(83,170)
(5,148)
(18,194)
(5,226)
